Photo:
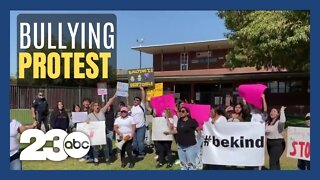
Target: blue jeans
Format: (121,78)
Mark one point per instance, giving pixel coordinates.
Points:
(138,140)
(188,157)
(108,147)
(15,165)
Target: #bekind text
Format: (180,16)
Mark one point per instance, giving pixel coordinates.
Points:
(234,142)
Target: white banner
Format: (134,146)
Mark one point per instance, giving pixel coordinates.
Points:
(79,117)
(236,143)
(122,89)
(159,126)
(96,131)
(298,143)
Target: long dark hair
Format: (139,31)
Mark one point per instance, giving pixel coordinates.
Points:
(269,119)
(187,110)
(74,107)
(219,110)
(243,112)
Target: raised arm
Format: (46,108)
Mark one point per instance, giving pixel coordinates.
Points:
(110,101)
(282,120)
(265,107)
(143,95)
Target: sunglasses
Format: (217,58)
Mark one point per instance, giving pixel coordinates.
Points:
(183,111)
(40,95)
(307,118)
(123,111)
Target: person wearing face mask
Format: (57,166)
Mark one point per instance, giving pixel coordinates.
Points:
(40,111)
(304,164)
(59,118)
(275,141)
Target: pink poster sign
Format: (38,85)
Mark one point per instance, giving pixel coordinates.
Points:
(252,93)
(199,112)
(160,103)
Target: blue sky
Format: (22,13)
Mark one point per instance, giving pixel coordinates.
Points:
(155,27)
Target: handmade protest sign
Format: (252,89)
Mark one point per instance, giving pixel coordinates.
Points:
(155,92)
(95,130)
(102,88)
(79,117)
(122,89)
(199,112)
(141,77)
(159,126)
(252,93)
(160,103)
(298,143)
(233,144)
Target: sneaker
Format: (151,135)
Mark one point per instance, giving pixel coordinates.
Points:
(131,165)
(169,165)
(156,157)
(90,160)
(177,162)
(159,165)
(83,159)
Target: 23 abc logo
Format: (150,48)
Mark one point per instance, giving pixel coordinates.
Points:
(76,145)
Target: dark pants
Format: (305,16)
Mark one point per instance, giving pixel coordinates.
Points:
(275,149)
(164,148)
(303,164)
(127,147)
(42,119)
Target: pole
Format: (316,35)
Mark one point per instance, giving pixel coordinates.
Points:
(140,58)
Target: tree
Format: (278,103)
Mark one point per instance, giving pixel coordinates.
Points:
(268,39)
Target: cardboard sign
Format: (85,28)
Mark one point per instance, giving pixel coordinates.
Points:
(159,126)
(233,144)
(298,143)
(79,117)
(160,103)
(96,131)
(252,93)
(141,77)
(199,112)
(122,89)
(155,92)
(102,88)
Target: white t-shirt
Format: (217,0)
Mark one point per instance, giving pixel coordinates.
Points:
(258,117)
(221,119)
(14,143)
(125,125)
(138,115)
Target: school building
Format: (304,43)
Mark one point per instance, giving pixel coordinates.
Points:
(195,70)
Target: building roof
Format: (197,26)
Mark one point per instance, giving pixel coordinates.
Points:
(185,46)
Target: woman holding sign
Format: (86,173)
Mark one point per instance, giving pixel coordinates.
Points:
(125,128)
(98,114)
(275,141)
(186,140)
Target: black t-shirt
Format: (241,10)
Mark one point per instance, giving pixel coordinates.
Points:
(41,106)
(109,119)
(186,130)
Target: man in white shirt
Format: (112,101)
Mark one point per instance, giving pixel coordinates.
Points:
(138,115)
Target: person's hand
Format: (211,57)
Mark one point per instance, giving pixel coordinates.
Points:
(283,108)
(120,135)
(35,123)
(141,88)
(244,101)
(34,117)
(262,96)
(229,108)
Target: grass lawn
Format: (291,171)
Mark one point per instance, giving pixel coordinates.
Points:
(148,163)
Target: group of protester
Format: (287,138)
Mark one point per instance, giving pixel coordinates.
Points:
(129,124)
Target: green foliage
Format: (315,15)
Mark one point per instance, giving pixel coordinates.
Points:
(279,39)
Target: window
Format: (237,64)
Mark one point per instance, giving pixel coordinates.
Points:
(282,87)
(273,86)
(296,86)
(184,61)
